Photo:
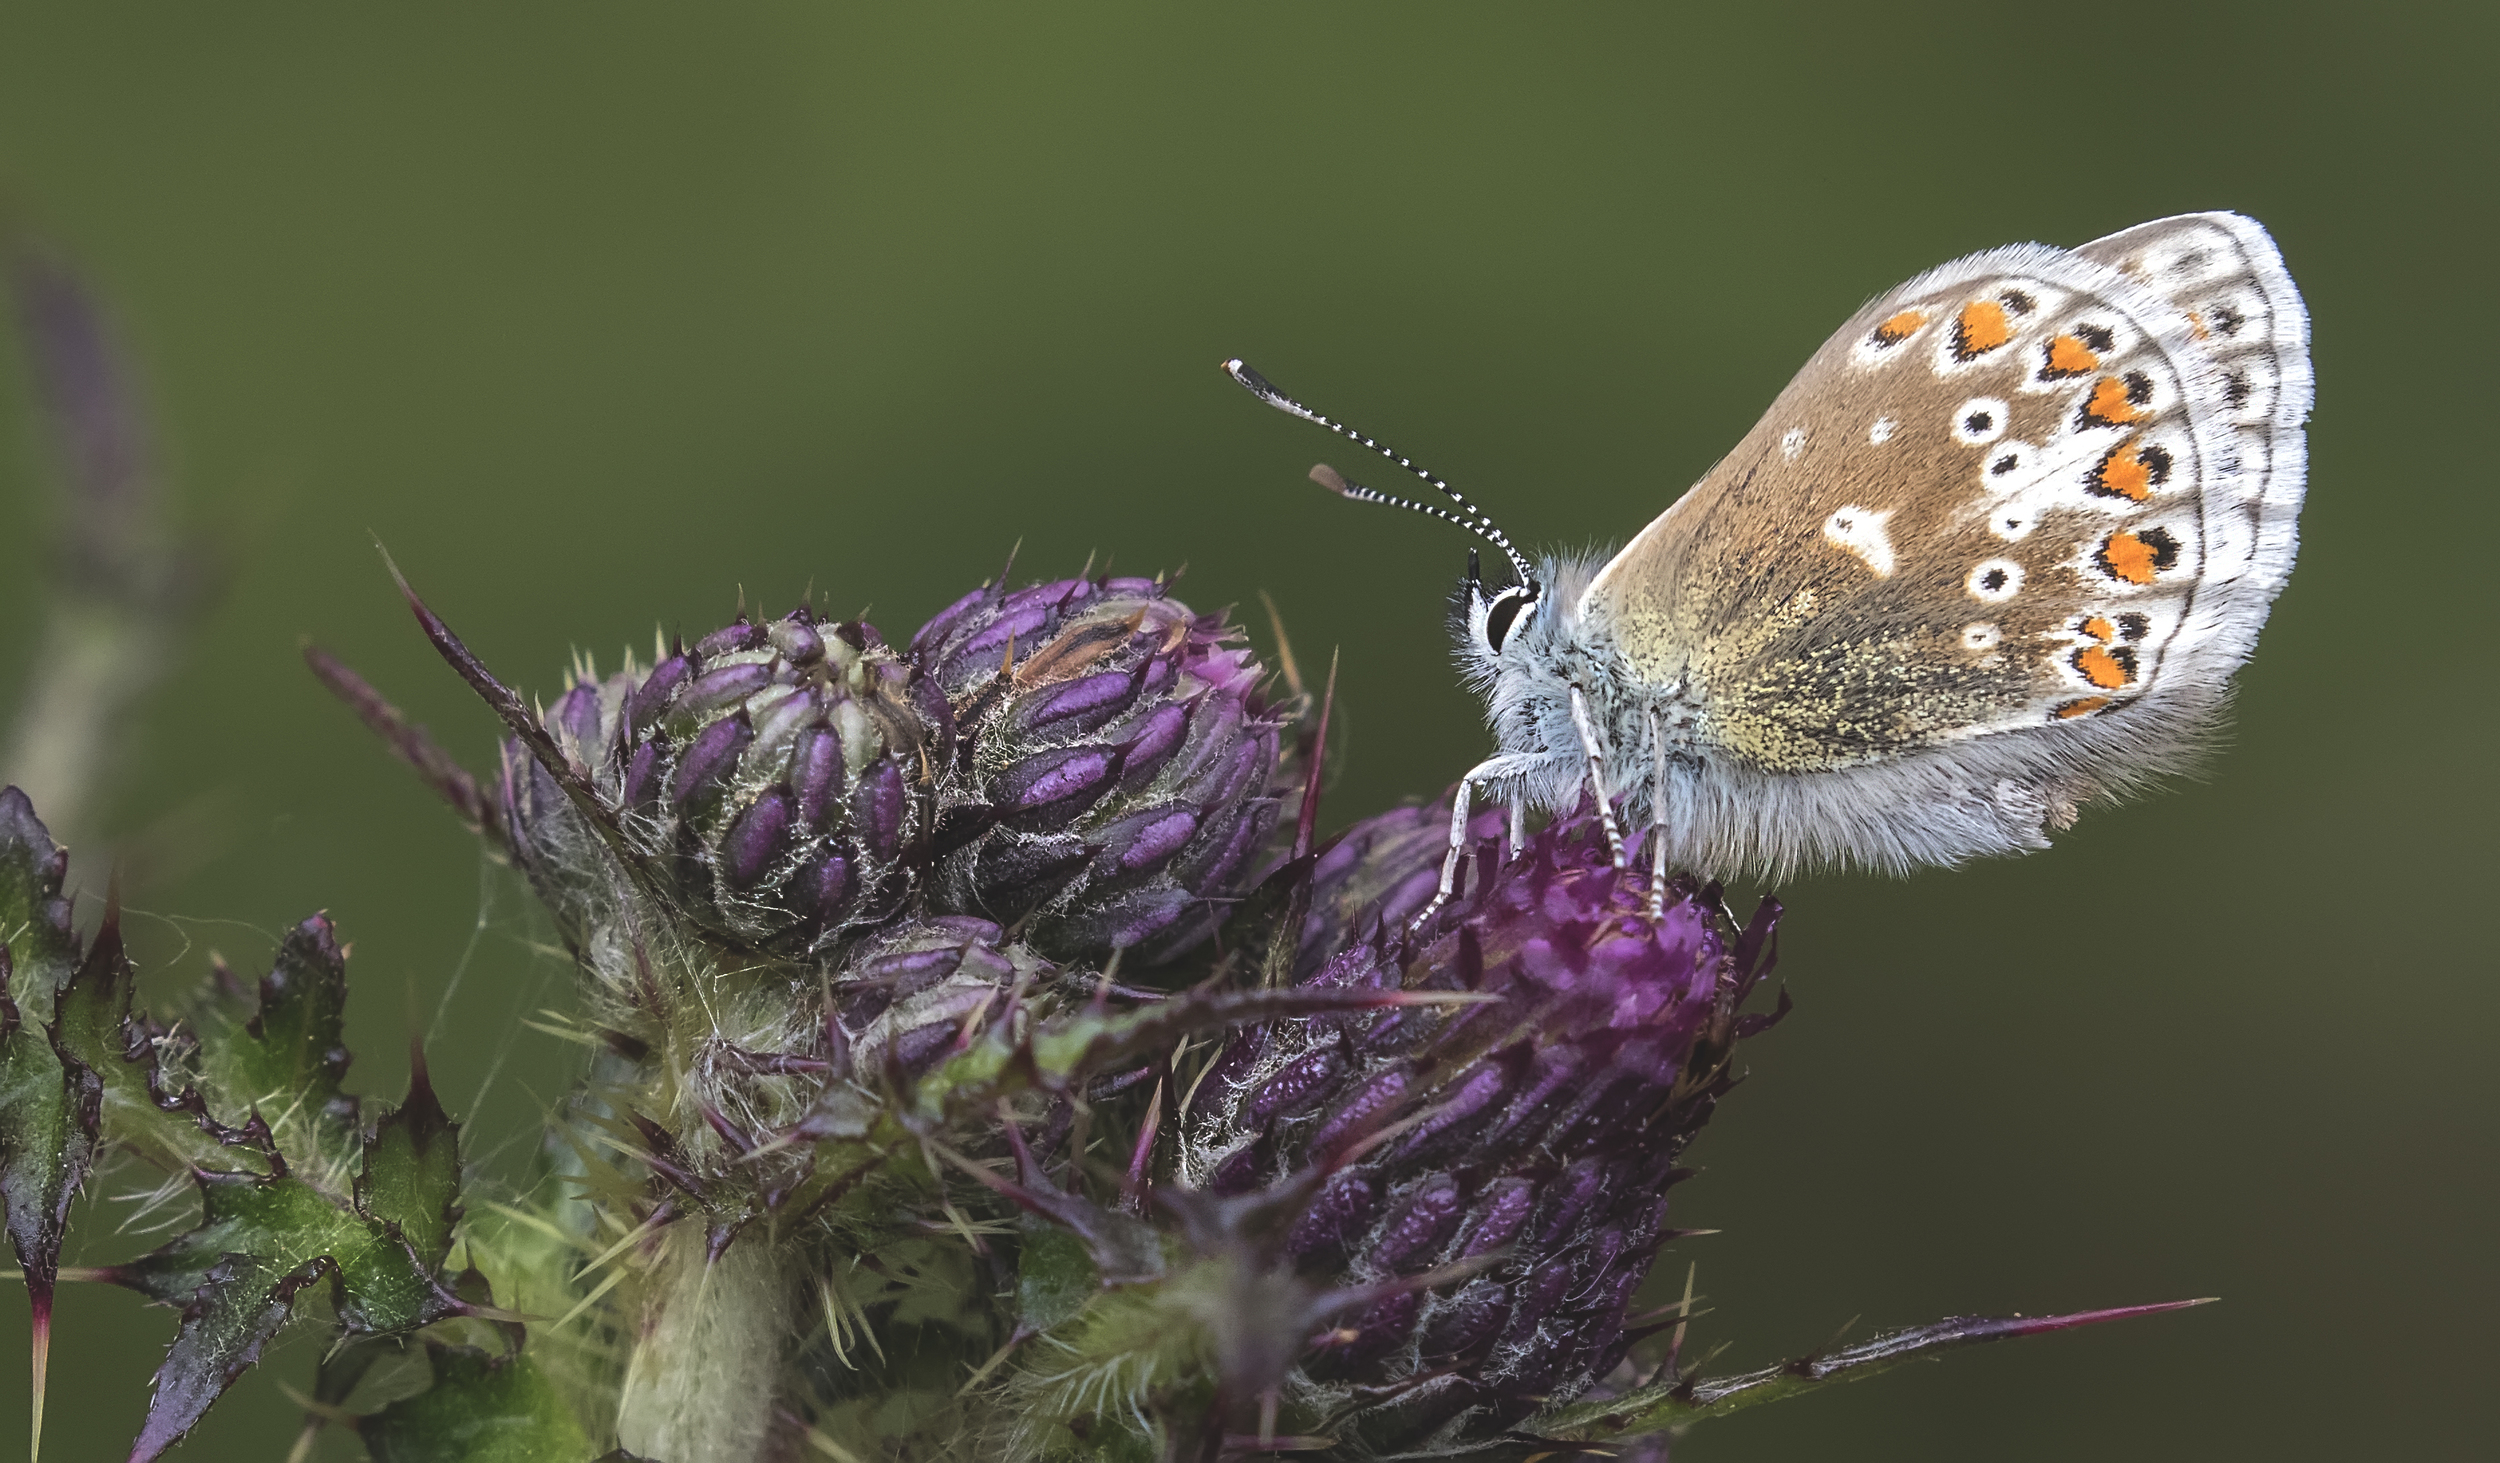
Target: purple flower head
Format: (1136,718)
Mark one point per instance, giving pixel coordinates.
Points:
(1115,772)
(776,779)
(1519,1149)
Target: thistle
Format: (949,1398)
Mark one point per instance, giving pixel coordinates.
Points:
(771,783)
(1116,765)
(1521,1148)
(878,1149)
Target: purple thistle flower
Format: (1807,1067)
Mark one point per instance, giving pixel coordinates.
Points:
(776,779)
(1115,772)
(1520,1149)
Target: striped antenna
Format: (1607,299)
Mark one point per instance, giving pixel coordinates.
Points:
(1474,519)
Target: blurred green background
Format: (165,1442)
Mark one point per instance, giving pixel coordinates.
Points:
(599,315)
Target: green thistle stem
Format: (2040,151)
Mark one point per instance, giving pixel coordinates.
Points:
(701,1383)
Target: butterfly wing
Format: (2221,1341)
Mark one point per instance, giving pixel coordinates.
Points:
(2029,488)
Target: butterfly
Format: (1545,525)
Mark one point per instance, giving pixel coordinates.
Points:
(1993,555)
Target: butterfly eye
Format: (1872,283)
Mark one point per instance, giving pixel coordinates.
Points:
(1504,616)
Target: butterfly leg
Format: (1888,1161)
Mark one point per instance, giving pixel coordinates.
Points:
(1657,817)
(1461,808)
(1597,775)
(1518,824)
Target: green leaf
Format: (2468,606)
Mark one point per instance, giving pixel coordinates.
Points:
(92,1025)
(1055,1276)
(34,916)
(49,1113)
(285,1223)
(241,1304)
(1678,1401)
(411,1178)
(288,1061)
(50,1108)
(261,1241)
(481,1409)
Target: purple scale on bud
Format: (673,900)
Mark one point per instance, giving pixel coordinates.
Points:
(910,993)
(878,805)
(1047,792)
(731,639)
(1143,842)
(755,840)
(816,774)
(1298,1084)
(796,641)
(717,690)
(644,700)
(1519,1147)
(775,785)
(1115,766)
(713,756)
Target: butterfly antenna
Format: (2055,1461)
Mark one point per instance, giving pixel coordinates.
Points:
(1475,520)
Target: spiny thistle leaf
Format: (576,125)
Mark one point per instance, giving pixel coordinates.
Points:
(34,915)
(411,1179)
(1676,1401)
(289,1059)
(261,1241)
(92,1024)
(241,1304)
(481,1409)
(50,1107)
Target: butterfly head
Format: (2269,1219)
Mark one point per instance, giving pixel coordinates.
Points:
(1492,618)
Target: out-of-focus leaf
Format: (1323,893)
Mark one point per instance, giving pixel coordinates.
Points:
(411,1178)
(50,1108)
(481,1409)
(1676,1401)
(289,1059)
(1055,1276)
(34,915)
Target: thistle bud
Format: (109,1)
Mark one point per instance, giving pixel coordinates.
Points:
(775,780)
(1521,1147)
(1114,768)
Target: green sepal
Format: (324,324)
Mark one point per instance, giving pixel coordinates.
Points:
(411,1177)
(481,1409)
(289,1059)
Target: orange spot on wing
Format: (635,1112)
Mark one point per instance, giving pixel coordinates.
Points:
(1900,327)
(2127,474)
(1981,329)
(2100,629)
(2109,405)
(2196,323)
(2084,707)
(2129,557)
(2069,356)
(2101,668)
